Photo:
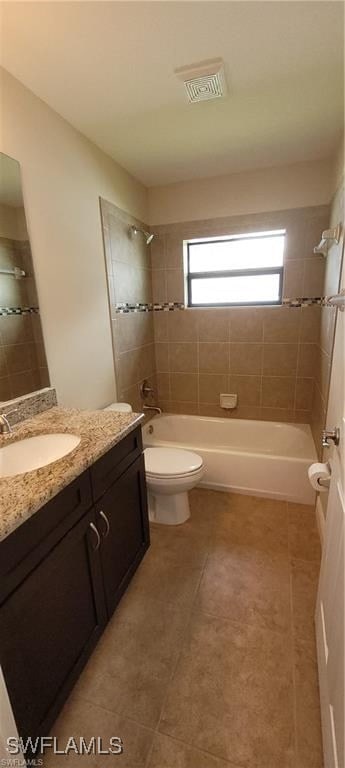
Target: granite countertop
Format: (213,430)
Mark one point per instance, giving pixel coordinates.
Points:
(22,495)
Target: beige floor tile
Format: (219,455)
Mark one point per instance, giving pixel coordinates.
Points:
(169,753)
(179,544)
(232,694)
(130,669)
(80,718)
(304,540)
(249,587)
(255,523)
(171,580)
(304,583)
(308,724)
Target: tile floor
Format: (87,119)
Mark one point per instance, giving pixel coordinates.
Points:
(209,661)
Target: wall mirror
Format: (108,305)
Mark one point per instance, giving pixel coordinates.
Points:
(23,364)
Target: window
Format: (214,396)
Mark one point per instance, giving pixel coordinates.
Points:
(241,269)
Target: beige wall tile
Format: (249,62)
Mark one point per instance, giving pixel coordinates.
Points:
(278,392)
(304,393)
(314,275)
(246,412)
(246,324)
(183,357)
(160,325)
(213,324)
(213,357)
(247,388)
(280,359)
(162,356)
(307,359)
(246,358)
(281,324)
(293,279)
(174,251)
(303,417)
(278,414)
(295,240)
(163,385)
(328,320)
(175,285)
(5,388)
(158,251)
(213,410)
(159,286)
(189,408)
(310,323)
(183,325)
(211,386)
(184,386)
(133,330)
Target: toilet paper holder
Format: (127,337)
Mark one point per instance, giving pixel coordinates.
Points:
(324,483)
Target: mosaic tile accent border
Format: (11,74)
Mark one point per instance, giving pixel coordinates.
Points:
(167,307)
(171,306)
(19,310)
(303,302)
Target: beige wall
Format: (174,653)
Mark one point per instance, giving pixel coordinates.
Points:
(269,189)
(63,175)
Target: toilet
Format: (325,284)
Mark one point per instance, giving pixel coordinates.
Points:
(119,407)
(170,474)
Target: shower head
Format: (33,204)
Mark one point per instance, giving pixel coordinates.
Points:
(147,235)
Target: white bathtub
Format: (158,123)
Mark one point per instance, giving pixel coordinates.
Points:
(262,458)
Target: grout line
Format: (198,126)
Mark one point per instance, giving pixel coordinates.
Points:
(179,654)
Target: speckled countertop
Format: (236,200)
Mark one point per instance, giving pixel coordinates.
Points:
(22,495)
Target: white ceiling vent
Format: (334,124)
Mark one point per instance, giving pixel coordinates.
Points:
(203,81)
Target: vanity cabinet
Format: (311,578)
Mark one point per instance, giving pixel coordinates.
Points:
(124,530)
(62,574)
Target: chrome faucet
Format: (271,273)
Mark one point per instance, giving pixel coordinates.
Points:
(152,408)
(5,426)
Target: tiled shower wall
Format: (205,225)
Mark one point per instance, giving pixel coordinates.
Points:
(128,264)
(327,328)
(23,364)
(268,356)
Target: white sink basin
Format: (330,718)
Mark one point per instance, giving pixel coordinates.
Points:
(35,452)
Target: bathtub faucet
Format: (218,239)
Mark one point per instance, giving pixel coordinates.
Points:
(152,408)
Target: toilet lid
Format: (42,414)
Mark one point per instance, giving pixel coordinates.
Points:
(171,461)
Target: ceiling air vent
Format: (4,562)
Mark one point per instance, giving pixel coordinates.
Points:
(203,81)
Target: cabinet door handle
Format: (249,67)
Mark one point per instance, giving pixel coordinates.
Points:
(98,538)
(107,524)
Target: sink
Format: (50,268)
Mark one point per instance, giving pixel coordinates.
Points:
(35,452)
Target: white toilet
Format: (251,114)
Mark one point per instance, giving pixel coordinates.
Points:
(170,474)
(119,407)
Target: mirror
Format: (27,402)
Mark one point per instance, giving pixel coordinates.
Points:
(23,364)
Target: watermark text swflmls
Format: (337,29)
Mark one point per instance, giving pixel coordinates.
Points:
(79,746)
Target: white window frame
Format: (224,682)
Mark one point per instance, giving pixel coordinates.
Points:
(257,271)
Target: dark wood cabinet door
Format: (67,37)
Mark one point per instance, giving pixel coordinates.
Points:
(122,518)
(49,625)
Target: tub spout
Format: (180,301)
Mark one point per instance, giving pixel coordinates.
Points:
(152,408)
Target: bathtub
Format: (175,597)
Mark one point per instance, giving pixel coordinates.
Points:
(261,458)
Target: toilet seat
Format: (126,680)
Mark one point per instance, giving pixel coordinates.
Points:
(166,463)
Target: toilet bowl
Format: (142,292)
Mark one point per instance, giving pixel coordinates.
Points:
(170,474)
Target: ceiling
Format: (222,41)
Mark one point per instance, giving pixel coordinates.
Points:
(108,68)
